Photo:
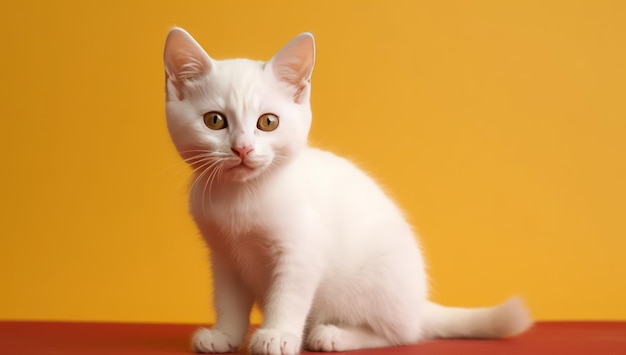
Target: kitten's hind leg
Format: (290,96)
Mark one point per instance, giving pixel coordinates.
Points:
(332,338)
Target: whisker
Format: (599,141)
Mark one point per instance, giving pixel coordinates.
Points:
(204,153)
(204,194)
(171,171)
(206,168)
(277,160)
(201,157)
(211,169)
(217,174)
(198,150)
(203,164)
(174,170)
(195,158)
(208,184)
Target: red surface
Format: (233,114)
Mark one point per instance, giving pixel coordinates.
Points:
(572,338)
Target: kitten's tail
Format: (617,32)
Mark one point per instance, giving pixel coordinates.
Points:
(504,320)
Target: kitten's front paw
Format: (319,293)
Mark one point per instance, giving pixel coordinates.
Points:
(212,342)
(326,338)
(274,342)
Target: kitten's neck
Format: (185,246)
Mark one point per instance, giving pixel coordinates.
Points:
(229,195)
(212,194)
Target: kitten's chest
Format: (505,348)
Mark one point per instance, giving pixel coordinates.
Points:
(258,208)
(230,214)
(248,239)
(242,221)
(252,232)
(246,219)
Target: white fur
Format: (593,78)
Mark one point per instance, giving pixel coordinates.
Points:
(311,238)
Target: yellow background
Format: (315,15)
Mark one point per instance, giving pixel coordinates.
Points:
(499,126)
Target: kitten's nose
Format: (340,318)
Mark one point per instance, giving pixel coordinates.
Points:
(242,152)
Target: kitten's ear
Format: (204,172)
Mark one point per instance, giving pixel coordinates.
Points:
(184,58)
(294,65)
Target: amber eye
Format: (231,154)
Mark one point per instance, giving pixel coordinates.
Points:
(267,122)
(215,120)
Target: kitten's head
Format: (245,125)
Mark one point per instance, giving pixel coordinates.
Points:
(237,119)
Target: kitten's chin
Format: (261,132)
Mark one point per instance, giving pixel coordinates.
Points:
(242,173)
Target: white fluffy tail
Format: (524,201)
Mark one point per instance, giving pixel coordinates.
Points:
(507,319)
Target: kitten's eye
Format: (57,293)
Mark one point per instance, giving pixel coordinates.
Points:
(267,122)
(215,120)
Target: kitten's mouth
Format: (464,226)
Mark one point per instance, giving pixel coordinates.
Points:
(243,166)
(244,170)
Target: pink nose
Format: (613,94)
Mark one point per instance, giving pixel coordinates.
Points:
(242,152)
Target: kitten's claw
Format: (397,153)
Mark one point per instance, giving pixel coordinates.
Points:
(212,342)
(274,342)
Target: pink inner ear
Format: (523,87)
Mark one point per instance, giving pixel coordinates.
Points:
(294,63)
(184,59)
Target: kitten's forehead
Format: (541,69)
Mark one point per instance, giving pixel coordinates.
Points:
(239,70)
(238,84)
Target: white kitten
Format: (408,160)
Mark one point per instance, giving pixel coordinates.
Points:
(328,257)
